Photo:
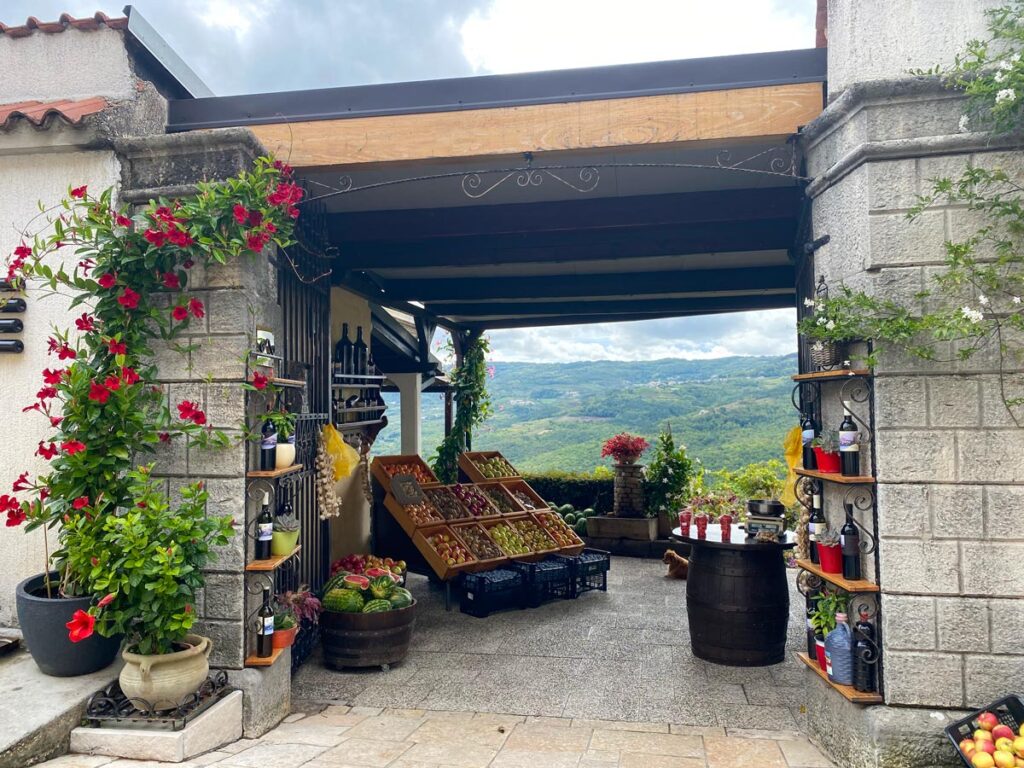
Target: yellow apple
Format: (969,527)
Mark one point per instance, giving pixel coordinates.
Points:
(967,746)
(1018,746)
(982,760)
(982,735)
(1004,745)
(1003,759)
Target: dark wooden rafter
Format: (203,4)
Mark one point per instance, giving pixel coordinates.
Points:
(556,320)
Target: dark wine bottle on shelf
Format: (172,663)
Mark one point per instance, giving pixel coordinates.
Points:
(360,352)
(809,431)
(849,539)
(342,354)
(268,445)
(849,449)
(264,530)
(817,522)
(265,630)
(285,508)
(863,654)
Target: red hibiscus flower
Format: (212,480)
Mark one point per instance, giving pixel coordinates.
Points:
(22,483)
(98,392)
(53,377)
(79,192)
(71,447)
(47,452)
(81,626)
(116,347)
(180,237)
(122,221)
(66,353)
(179,313)
(85,322)
(259,380)
(106,600)
(112,383)
(107,281)
(195,306)
(129,376)
(81,502)
(241,215)
(171,280)
(129,299)
(155,237)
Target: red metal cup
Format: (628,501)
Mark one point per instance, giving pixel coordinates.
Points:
(726,522)
(684,522)
(702,525)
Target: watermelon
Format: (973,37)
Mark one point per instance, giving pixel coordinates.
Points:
(588,512)
(376,606)
(565,508)
(570,519)
(335,582)
(400,598)
(382,586)
(355,581)
(581,527)
(343,601)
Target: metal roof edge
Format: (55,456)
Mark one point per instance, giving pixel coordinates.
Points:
(490,91)
(164,57)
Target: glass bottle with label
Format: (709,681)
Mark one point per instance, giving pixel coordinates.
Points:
(268,445)
(343,354)
(849,540)
(265,627)
(264,530)
(817,521)
(849,448)
(809,431)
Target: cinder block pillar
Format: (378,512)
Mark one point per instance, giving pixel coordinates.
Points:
(409,388)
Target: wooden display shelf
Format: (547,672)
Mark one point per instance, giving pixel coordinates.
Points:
(257,661)
(527,557)
(847,585)
(847,691)
(835,477)
(467,463)
(272,473)
(439,566)
(525,487)
(377,467)
(281,382)
(272,563)
(501,490)
(845,373)
(572,549)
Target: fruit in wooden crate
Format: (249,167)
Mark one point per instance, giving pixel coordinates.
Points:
(478,542)
(376,606)
(508,539)
(424,513)
(495,467)
(400,598)
(421,473)
(534,536)
(343,601)
(473,500)
(525,499)
(450,550)
(447,504)
(558,530)
(500,498)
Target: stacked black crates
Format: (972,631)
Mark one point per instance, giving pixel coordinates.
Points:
(548,579)
(588,570)
(489,591)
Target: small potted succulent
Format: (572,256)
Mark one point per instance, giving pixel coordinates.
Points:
(286,534)
(285,627)
(830,554)
(826,450)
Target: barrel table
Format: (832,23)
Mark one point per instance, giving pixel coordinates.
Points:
(737,597)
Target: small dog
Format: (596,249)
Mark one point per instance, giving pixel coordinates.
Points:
(678,566)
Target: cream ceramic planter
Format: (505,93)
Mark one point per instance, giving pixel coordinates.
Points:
(285,455)
(164,679)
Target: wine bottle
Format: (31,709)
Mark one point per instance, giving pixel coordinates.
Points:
(809,431)
(265,633)
(817,521)
(863,653)
(285,508)
(264,530)
(849,539)
(849,449)
(360,353)
(343,354)
(268,444)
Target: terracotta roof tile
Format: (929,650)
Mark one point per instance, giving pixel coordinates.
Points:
(41,113)
(65,21)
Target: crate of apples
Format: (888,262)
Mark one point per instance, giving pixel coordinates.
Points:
(495,467)
(557,528)
(509,539)
(534,536)
(424,513)
(421,473)
(449,548)
(993,744)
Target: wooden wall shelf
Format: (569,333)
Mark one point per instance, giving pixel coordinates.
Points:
(256,661)
(847,691)
(848,585)
(272,473)
(835,477)
(273,563)
(845,373)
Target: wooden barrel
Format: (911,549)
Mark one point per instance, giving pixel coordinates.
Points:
(737,601)
(366,639)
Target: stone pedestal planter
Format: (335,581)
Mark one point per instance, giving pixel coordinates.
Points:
(629,490)
(632,528)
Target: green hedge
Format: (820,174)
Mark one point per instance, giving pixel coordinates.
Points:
(582,491)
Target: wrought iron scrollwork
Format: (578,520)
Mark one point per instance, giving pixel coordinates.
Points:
(780,160)
(862,497)
(808,583)
(805,392)
(586,180)
(110,706)
(857,389)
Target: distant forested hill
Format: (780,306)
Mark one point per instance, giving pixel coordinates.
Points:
(728,412)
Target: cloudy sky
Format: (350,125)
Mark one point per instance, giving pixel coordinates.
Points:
(250,46)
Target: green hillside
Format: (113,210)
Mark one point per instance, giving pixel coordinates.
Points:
(728,412)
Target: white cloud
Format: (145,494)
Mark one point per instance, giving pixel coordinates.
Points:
(530,35)
(767,332)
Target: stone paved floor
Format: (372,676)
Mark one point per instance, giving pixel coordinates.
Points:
(623,655)
(362,737)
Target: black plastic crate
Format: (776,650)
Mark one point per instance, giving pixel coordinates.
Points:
(489,591)
(1009,710)
(547,579)
(589,570)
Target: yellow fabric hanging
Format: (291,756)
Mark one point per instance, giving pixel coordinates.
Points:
(792,448)
(343,456)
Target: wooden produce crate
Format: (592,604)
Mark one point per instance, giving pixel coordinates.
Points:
(402,516)
(482,563)
(467,463)
(526,557)
(496,488)
(550,519)
(490,511)
(521,486)
(433,492)
(443,570)
(382,468)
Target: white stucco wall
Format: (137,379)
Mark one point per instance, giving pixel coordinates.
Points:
(884,40)
(24,180)
(72,64)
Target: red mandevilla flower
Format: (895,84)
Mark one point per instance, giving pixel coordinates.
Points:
(179,313)
(255,218)
(71,447)
(112,383)
(22,483)
(47,452)
(98,392)
(86,264)
(171,280)
(188,263)
(259,381)
(81,626)
(66,353)
(22,251)
(56,420)
(122,221)
(46,393)
(106,600)
(180,237)
(15,517)
(79,192)
(116,347)
(241,215)
(85,322)
(195,306)
(165,437)
(624,447)
(129,299)
(129,376)
(81,502)
(188,411)
(107,280)
(155,237)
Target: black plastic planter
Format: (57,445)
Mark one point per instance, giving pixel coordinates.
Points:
(43,622)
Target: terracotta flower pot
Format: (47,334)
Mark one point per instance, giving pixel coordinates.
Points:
(830,558)
(828,461)
(164,679)
(283,638)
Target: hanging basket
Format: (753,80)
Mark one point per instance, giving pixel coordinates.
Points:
(826,354)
